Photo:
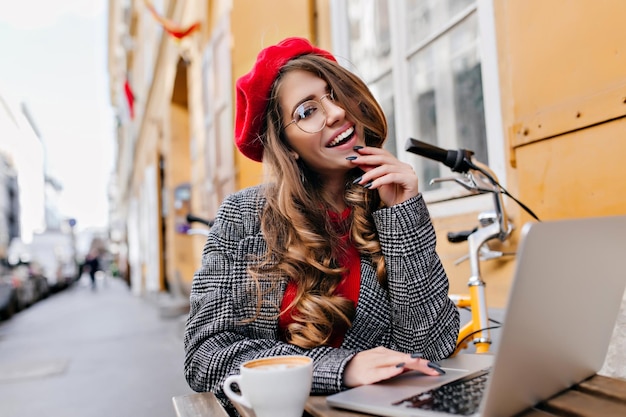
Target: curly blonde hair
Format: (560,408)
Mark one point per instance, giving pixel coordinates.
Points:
(302,242)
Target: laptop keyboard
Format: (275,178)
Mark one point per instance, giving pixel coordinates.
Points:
(461,397)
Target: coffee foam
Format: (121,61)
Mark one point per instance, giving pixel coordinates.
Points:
(278,363)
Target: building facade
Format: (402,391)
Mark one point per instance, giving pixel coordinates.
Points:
(22,180)
(537,89)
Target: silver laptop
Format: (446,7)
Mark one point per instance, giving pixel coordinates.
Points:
(568,285)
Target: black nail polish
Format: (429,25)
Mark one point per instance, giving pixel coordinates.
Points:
(357,180)
(436,367)
(417,355)
(357,147)
(400,365)
(351,158)
(368,185)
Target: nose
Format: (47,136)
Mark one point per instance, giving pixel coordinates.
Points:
(334,112)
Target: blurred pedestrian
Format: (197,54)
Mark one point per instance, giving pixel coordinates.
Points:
(91,266)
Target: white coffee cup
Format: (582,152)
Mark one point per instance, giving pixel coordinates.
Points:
(276,386)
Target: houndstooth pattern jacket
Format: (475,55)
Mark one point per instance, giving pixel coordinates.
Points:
(414,314)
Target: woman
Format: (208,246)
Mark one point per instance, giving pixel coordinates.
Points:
(333,257)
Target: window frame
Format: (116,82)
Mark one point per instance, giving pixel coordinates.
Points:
(443,202)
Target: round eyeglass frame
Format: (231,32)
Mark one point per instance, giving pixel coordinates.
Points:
(330,96)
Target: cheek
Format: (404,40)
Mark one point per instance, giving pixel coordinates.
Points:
(304,145)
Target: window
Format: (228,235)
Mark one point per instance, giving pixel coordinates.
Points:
(423,61)
(218,148)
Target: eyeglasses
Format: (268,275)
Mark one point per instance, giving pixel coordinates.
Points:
(310,116)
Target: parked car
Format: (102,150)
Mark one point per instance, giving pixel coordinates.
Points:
(8,298)
(21,286)
(52,253)
(35,273)
(26,288)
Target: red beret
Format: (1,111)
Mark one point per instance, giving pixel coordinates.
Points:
(253,91)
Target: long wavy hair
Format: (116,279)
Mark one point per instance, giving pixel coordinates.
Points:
(302,242)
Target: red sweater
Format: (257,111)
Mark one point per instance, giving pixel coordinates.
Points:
(348,287)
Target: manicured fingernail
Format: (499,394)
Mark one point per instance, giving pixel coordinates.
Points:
(400,365)
(351,158)
(417,355)
(368,185)
(436,367)
(357,180)
(357,147)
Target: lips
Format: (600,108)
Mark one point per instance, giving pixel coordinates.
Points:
(341,138)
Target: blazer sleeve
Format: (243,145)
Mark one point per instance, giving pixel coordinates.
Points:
(424,319)
(216,339)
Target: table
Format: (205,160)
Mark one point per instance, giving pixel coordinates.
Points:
(598,396)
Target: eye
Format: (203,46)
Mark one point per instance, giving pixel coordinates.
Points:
(305,110)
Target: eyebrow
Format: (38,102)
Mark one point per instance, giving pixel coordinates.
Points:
(311,97)
(304,100)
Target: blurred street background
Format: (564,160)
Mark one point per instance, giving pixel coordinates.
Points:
(91,353)
(116,150)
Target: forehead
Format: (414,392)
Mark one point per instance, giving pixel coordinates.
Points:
(298,85)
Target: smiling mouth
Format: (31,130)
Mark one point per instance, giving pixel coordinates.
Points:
(341,138)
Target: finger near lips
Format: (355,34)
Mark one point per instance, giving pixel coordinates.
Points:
(388,173)
(372,150)
(371,161)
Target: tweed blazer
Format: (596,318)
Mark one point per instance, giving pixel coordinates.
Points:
(413,314)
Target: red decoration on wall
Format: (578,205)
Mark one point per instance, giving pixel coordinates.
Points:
(175,30)
(130,99)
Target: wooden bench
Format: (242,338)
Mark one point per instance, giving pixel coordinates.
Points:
(202,404)
(598,396)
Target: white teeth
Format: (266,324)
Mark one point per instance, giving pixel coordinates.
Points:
(341,137)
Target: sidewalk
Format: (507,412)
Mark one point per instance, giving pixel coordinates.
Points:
(85,353)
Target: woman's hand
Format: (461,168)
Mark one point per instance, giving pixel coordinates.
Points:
(380,363)
(395,181)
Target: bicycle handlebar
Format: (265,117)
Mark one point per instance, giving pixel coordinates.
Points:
(477,177)
(191,219)
(457,161)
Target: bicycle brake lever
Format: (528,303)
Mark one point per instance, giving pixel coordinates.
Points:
(465,182)
(441,179)
(485,255)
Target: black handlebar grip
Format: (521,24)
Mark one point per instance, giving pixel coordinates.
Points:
(191,219)
(456,237)
(457,161)
(426,150)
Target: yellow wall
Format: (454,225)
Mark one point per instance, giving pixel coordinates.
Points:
(180,257)
(562,72)
(563,79)
(563,92)
(579,174)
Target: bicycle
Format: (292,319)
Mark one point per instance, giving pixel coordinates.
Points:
(178,286)
(477,178)
(204,231)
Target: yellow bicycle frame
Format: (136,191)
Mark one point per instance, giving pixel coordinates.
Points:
(477,328)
